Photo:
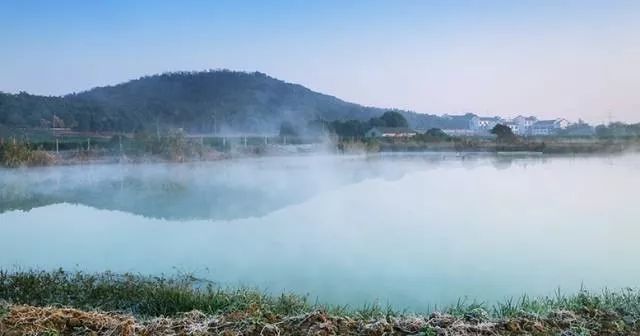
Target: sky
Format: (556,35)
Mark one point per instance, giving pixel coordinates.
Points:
(549,58)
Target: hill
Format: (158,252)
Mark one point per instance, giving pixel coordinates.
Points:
(208,101)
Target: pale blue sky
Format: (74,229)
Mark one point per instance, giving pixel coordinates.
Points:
(548,58)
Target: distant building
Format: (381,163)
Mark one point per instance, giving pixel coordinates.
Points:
(524,123)
(548,127)
(520,125)
(516,128)
(390,132)
(483,124)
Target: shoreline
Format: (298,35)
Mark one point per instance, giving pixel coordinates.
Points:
(185,148)
(71,157)
(36,302)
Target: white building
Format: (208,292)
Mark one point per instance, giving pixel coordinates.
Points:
(516,128)
(525,123)
(548,127)
(483,124)
(520,125)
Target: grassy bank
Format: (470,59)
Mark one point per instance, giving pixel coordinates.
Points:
(548,145)
(176,147)
(143,300)
(18,154)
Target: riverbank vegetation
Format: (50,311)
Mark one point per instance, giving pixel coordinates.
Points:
(130,304)
(140,147)
(37,148)
(17,154)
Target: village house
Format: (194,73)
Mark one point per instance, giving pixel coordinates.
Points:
(516,128)
(390,132)
(548,127)
(484,124)
(524,123)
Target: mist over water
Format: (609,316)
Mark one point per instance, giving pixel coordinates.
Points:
(410,230)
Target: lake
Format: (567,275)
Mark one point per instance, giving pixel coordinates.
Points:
(413,231)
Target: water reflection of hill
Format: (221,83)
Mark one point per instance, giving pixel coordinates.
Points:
(219,191)
(157,199)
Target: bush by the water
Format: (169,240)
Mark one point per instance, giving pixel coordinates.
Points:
(17,154)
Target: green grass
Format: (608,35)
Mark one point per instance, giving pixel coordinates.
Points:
(159,296)
(3,310)
(625,302)
(140,295)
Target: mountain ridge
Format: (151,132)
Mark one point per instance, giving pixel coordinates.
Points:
(197,101)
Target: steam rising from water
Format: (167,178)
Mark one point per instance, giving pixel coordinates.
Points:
(410,230)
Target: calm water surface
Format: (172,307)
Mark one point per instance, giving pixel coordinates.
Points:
(409,230)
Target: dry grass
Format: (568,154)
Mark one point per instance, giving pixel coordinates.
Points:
(19,154)
(27,320)
(34,321)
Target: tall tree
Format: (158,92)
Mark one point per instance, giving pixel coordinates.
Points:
(504,133)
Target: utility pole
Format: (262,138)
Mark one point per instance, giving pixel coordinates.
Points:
(53,124)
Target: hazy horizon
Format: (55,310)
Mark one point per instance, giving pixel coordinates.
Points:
(575,59)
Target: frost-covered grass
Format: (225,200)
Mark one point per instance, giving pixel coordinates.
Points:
(136,294)
(158,296)
(625,302)
(169,306)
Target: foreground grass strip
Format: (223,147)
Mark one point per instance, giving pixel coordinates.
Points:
(49,303)
(32,321)
(138,295)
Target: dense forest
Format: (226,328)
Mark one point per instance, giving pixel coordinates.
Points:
(209,101)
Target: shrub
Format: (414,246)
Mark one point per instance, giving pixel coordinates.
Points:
(16,154)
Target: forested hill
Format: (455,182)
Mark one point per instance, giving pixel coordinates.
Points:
(224,101)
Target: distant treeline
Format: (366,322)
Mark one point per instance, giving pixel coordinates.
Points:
(346,128)
(618,130)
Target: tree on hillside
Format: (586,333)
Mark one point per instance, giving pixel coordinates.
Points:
(357,128)
(394,119)
(504,133)
(349,128)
